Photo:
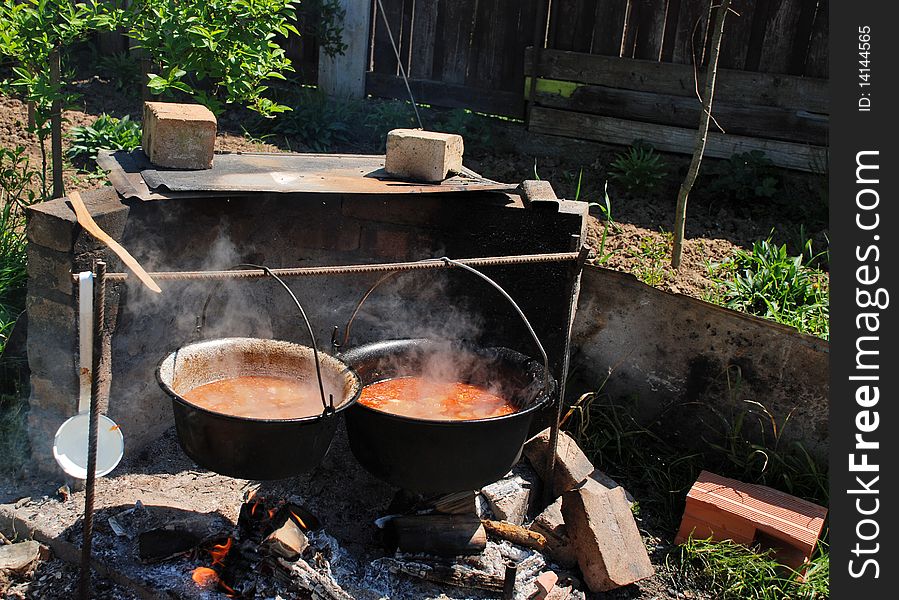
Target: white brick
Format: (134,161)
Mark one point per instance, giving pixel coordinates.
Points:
(423,155)
(179,136)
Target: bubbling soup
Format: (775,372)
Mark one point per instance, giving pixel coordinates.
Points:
(258,397)
(422,398)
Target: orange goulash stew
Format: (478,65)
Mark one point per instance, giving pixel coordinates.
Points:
(258,397)
(421,398)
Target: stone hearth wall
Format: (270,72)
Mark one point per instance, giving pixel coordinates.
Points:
(280,231)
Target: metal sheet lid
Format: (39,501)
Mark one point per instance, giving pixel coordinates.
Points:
(133,176)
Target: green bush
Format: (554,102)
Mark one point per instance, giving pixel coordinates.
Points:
(744,177)
(639,169)
(105,132)
(317,121)
(120,68)
(770,283)
(218,51)
(17,180)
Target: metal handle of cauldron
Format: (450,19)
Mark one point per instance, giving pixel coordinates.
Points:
(463,266)
(328,405)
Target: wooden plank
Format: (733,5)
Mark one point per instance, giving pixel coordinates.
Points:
(424,34)
(690,36)
(757,34)
(383,56)
(520,34)
(608,28)
(779,33)
(454,27)
(672,139)
(764,89)
(497,102)
(737,30)
(737,118)
(572,24)
(670,31)
(652,18)
(488,45)
(344,75)
(818,60)
(802,37)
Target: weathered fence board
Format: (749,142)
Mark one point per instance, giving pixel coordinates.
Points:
(449,95)
(765,89)
(672,139)
(667,109)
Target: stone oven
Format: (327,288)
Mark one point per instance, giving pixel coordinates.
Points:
(282,211)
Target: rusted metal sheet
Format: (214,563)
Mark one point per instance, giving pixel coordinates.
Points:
(245,173)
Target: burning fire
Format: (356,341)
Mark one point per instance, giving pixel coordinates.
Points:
(299,521)
(208,578)
(219,551)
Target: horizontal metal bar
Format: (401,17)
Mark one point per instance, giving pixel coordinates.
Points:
(422,265)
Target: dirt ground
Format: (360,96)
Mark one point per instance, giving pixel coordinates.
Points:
(339,492)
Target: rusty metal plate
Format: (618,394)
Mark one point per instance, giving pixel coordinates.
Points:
(243,173)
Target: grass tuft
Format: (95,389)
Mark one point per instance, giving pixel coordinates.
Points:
(732,571)
(770,283)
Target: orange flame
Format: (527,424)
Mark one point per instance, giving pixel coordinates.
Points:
(219,551)
(299,520)
(208,578)
(271,513)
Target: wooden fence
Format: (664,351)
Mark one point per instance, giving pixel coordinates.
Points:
(633,75)
(462,53)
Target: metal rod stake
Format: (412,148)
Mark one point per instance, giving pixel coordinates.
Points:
(88,530)
(548,485)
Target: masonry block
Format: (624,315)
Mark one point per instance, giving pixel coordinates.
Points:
(572,465)
(50,270)
(179,136)
(551,526)
(605,538)
(423,155)
(537,189)
(727,509)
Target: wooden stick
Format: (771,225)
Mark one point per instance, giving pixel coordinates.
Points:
(306,579)
(455,575)
(515,534)
(56,127)
(87,222)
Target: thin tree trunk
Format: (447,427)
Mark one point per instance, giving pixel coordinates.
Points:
(56,127)
(680,217)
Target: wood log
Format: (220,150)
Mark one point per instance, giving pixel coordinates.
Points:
(515,534)
(443,535)
(303,578)
(455,575)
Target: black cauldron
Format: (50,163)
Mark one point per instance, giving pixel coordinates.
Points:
(432,457)
(251,448)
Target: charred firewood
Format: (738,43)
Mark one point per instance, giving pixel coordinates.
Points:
(443,535)
(303,578)
(455,575)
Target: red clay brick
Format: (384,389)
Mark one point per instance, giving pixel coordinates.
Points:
(729,509)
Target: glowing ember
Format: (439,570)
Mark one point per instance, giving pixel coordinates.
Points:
(219,551)
(205,577)
(208,578)
(271,513)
